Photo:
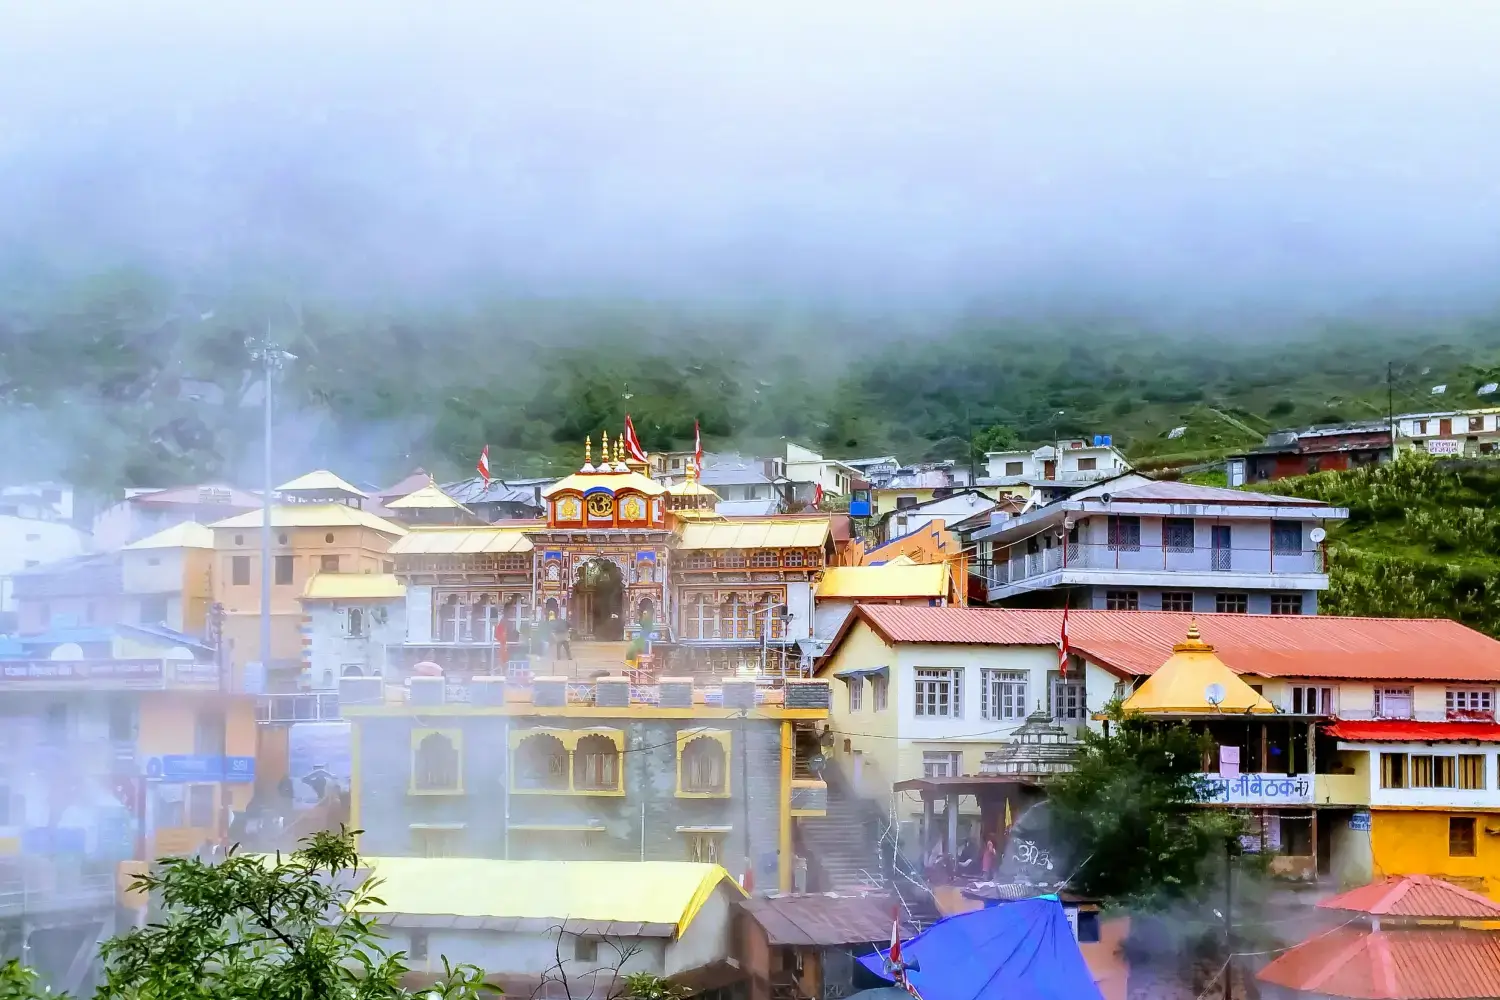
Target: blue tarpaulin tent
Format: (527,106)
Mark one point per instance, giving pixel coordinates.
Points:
(1021,949)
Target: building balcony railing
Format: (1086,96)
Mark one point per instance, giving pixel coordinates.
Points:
(1021,567)
(45,891)
(311,706)
(620,691)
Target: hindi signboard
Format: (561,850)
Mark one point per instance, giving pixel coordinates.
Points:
(1444,446)
(132,672)
(1260,789)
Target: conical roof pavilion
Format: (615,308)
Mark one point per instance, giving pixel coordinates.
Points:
(1194,681)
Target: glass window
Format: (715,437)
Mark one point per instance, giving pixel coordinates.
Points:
(239,571)
(942,763)
(283,570)
(1286,538)
(879,690)
(1461,836)
(1393,703)
(1471,768)
(1014,468)
(1471,703)
(1088,926)
(1393,770)
(705,848)
(1068,698)
(1234,604)
(1124,533)
(1177,534)
(856,693)
(703,766)
(1088,464)
(328,564)
(1122,600)
(937,693)
(1286,604)
(435,764)
(1177,600)
(1002,695)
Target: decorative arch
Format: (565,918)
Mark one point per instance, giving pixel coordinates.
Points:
(540,763)
(596,764)
(437,765)
(703,764)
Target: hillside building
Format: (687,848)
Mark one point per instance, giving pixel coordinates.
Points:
(1316,449)
(1162,546)
(1450,432)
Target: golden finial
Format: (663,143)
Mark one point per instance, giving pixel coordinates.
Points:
(1194,642)
(692,472)
(603,448)
(1193,632)
(588,449)
(620,450)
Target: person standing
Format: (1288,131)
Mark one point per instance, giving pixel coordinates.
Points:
(562,648)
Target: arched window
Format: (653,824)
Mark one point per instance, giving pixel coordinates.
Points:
(356,623)
(704,769)
(698,618)
(596,765)
(481,619)
(542,763)
(435,767)
(734,618)
(646,614)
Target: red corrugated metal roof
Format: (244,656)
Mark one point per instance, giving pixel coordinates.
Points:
(1167,491)
(1445,963)
(1405,731)
(1415,896)
(1135,643)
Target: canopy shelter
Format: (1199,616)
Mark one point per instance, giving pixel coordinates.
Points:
(1020,949)
(1194,681)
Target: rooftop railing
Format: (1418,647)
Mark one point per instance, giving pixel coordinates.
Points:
(1152,558)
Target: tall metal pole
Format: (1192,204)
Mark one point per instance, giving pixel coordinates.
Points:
(268,354)
(1228,919)
(1390,406)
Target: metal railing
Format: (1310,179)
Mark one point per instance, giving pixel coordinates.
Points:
(1157,558)
(299,706)
(40,892)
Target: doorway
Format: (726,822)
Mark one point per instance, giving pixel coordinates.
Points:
(597,607)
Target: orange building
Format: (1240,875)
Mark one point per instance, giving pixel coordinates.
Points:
(319,527)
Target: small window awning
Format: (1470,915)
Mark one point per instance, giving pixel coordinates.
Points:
(861,673)
(1410,731)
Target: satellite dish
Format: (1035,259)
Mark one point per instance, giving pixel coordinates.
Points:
(1214,694)
(1317,534)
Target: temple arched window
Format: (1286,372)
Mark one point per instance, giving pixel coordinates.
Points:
(435,764)
(481,618)
(734,559)
(596,765)
(541,763)
(698,618)
(734,618)
(703,767)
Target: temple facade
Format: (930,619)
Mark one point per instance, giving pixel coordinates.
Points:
(618,558)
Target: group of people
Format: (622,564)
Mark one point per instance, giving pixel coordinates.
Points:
(971,862)
(555,633)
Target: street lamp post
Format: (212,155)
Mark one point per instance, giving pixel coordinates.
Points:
(272,358)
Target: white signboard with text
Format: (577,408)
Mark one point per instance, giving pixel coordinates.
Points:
(1260,789)
(1444,446)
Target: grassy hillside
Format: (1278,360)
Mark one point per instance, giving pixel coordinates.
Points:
(1422,539)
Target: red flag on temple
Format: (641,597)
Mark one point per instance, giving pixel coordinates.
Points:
(697,449)
(1063,651)
(633,447)
(484,466)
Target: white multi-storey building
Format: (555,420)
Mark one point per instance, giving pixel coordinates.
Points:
(1162,547)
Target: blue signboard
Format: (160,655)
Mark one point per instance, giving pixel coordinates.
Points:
(859,508)
(185,768)
(1360,822)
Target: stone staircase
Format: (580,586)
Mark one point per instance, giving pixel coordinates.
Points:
(589,659)
(840,847)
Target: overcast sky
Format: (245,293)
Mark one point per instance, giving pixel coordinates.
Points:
(1228,153)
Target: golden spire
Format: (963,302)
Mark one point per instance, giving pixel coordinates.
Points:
(588,451)
(1194,642)
(603,449)
(692,472)
(620,450)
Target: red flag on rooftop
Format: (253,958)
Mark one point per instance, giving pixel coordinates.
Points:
(484,466)
(697,449)
(818,495)
(1063,650)
(633,447)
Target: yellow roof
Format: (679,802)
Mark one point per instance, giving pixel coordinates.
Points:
(885,581)
(740,534)
(1181,686)
(612,481)
(187,535)
(647,892)
(429,497)
(461,541)
(313,515)
(691,488)
(352,586)
(320,480)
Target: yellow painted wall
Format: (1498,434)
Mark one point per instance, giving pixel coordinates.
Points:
(1356,697)
(1415,842)
(360,550)
(868,731)
(1429,701)
(197,589)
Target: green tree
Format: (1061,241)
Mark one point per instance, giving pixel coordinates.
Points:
(996,437)
(1130,807)
(17,982)
(266,928)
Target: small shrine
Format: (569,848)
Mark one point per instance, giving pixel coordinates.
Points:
(1039,749)
(321,487)
(691,494)
(430,505)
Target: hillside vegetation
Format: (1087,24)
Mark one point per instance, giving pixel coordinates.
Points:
(1422,539)
(129,378)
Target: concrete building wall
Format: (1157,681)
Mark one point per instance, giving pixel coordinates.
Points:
(26,543)
(642,821)
(331,651)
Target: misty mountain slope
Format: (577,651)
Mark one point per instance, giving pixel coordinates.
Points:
(129,378)
(1422,540)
